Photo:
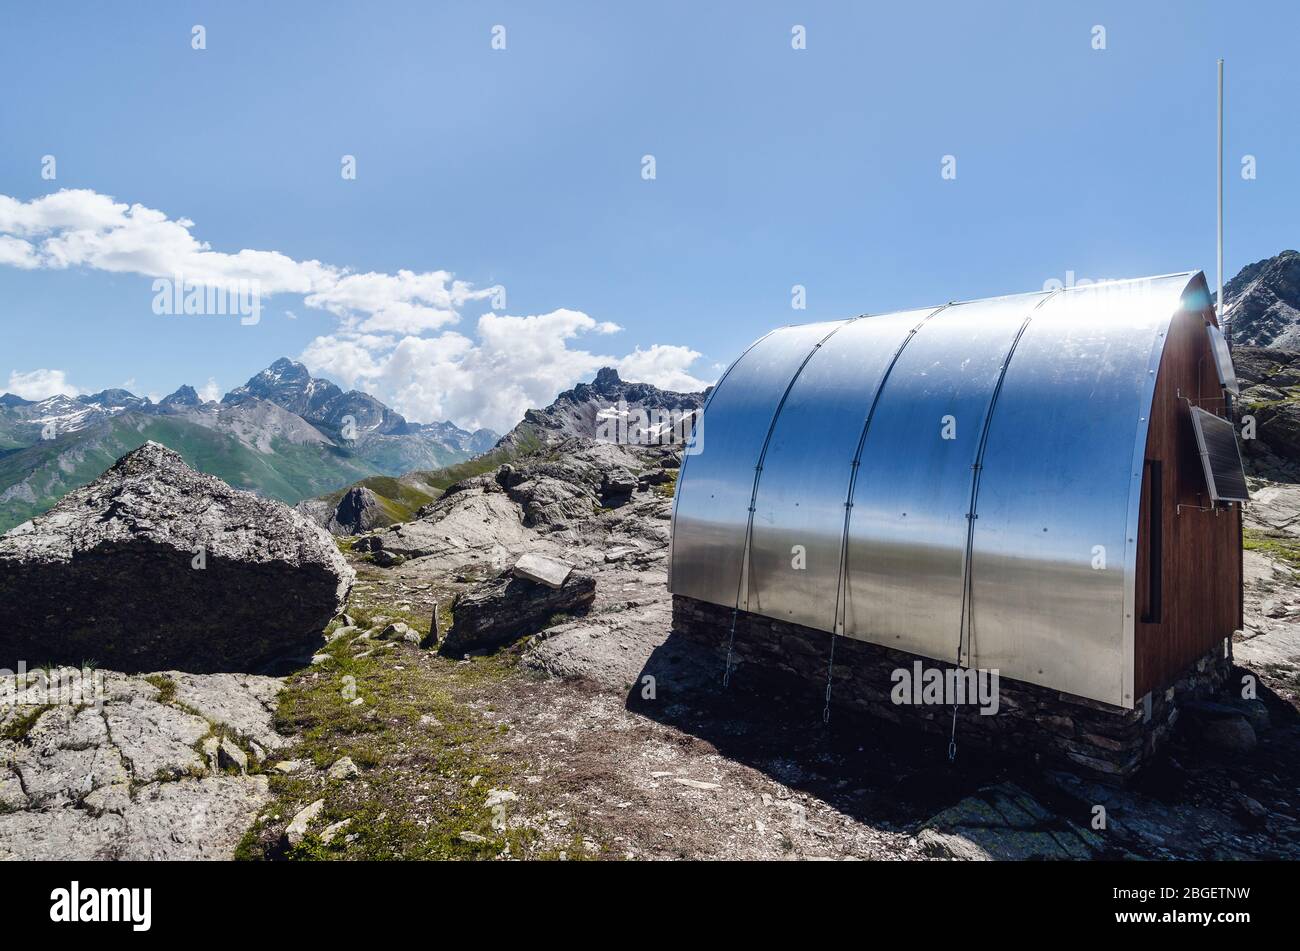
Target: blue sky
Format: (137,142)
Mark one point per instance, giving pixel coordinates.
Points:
(523,167)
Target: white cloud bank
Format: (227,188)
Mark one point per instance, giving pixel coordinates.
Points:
(40,384)
(391,337)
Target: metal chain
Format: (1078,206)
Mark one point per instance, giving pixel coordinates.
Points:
(830,670)
(966,622)
(742,581)
(726,672)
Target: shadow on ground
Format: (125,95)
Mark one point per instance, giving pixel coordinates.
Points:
(1190,802)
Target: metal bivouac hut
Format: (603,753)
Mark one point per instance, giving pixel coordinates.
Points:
(1044,484)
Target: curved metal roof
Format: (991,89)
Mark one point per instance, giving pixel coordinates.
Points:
(837,464)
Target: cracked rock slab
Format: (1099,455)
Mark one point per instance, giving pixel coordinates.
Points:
(125,778)
(156,739)
(242,702)
(192,818)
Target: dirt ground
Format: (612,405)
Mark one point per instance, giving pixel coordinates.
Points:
(595,767)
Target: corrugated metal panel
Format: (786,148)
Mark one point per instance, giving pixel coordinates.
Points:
(806,473)
(1220,456)
(715,486)
(907,533)
(1054,554)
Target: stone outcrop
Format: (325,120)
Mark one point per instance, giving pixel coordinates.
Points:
(358,511)
(101,765)
(1264,302)
(509,607)
(155,565)
(1270,392)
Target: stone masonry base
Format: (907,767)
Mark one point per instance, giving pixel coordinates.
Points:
(1048,726)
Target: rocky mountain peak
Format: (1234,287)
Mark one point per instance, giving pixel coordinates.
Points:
(149,458)
(114,398)
(290,386)
(185,396)
(581,410)
(1263,303)
(284,367)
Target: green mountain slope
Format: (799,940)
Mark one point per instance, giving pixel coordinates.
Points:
(33,478)
(402,497)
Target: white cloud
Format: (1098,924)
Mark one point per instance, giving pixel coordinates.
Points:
(210,391)
(664,366)
(516,363)
(82,228)
(16,252)
(392,336)
(40,384)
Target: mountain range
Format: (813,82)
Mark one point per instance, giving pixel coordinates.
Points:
(284,433)
(302,439)
(587,411)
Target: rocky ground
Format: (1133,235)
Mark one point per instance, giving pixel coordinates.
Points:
(560,748)
(602,736)
(157,766)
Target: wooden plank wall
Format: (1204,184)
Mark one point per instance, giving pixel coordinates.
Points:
(1198,587)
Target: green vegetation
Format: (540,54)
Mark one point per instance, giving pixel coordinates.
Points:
(400,498)
(668,488)
(289,472)
(52,468)
(166,687)
(1285,548)
(21,723)
(426,757)
(526,442)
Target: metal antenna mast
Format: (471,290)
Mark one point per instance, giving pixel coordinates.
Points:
(1226,326)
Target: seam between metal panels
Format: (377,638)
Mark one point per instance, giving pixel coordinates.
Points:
(837,624)
(965,622)
(681,472)
(742,584)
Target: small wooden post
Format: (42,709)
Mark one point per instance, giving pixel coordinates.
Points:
(434,634)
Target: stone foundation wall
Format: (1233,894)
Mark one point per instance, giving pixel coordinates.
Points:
(1051,727)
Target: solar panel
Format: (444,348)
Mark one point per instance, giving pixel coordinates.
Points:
(1220,457)
(1223,360)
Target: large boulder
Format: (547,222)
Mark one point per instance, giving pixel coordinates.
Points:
(155,565)
(358,511)
(509,607)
